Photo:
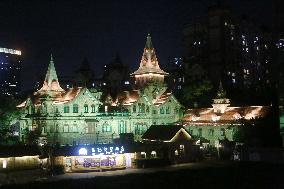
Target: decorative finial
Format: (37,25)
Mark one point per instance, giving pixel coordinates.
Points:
(221,92)
(51,57)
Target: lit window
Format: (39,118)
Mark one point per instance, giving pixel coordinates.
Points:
(162,110)
(75,108)
(93,108)
(168,110)
(122,127)
(66,109)
(143,154)
(139,129)
(65,128)
(106,128)
(86,109)
(153,154)
(176,152)
(74,129)
(126,83)
(4,164)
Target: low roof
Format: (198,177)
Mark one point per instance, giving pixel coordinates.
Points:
(231,114)
(166,133)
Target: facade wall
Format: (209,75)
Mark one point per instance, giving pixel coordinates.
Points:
(83,123)
(211,132)
(16,163)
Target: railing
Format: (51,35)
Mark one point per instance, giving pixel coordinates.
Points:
(120,114)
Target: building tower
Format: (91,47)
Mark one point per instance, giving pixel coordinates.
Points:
(10,71)
(51,84)
(221,102)
(149,71)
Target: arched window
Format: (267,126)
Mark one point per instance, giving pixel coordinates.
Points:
(162,110)
(66,109)
(200,132)
(122,127)
(140,129)
(143,108)
(86,108)
(75,108)
(66,128)
(106,128)
(211,132)
(93,108)
(134,108)
(75,128)
(222,132)
(168,110)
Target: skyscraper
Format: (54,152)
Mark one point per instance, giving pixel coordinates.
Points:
(10,71)
(231,49)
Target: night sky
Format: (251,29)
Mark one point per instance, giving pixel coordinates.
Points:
(72,30)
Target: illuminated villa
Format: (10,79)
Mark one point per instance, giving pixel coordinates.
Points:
(81,116)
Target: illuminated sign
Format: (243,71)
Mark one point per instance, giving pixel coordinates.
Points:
(101,150)
(10,51)
(83,151)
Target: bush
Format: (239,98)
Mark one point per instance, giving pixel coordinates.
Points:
(58,169)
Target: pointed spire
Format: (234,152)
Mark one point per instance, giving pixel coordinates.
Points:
(221,92)
(149,62)
(51,73)
(51,80)
(149,44)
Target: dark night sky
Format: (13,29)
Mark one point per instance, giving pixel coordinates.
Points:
(72,30)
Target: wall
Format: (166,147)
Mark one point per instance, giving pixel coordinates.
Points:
(18,163)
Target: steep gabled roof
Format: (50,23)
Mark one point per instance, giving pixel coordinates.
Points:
(127,98)
(166,133)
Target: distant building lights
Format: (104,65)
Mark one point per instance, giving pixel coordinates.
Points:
(10,51)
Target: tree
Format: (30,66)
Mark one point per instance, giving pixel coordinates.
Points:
(197,86)
(258,132)
(85,74)
(8,115)
(32,137)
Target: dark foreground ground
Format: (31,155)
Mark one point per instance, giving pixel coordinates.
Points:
(229,175)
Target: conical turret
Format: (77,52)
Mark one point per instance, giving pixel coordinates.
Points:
(51,80)
(149,69)
(221,102)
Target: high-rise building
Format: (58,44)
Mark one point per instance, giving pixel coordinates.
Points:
(232,50)
(176,78)
(10,70)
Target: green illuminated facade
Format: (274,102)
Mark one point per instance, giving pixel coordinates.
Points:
(82,116)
